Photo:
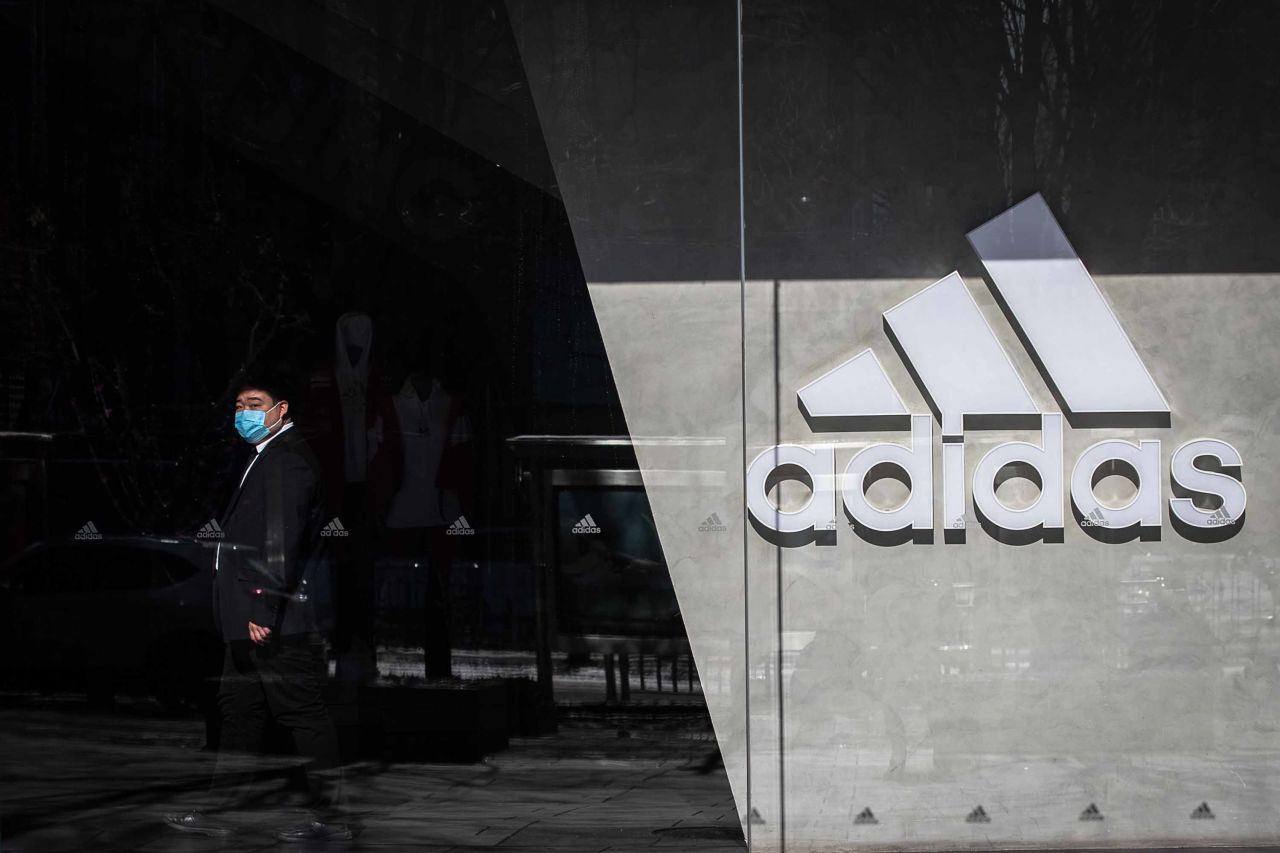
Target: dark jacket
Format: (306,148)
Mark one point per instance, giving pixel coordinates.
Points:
(271,543)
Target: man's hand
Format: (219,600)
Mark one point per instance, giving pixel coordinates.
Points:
(259,634)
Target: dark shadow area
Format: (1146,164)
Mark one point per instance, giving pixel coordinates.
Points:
(1118,420)
(874,150)
(854,423)
(788,471)
(793,540)
(886,471)
(1018,537)
(1018,470)
(1008,420)
(890,538)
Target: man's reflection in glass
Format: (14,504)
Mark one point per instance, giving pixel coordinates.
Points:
(274,660)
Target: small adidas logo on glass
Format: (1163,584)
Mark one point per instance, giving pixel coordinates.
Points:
(334,528)
(1220,518)
(713,524)
(460,527)
(89,531)
(211,530)
(586,524)
(1094,519)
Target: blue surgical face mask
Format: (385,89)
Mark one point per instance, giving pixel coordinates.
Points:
(252,424)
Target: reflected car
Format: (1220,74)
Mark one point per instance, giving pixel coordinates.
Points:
(112,615)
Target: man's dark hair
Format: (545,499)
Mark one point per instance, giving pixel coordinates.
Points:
(276,384)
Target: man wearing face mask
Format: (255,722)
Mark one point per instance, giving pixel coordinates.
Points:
(274,660)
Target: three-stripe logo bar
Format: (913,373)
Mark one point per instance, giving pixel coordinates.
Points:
(210,530)
(88,531)
(334,528)
(585,525)
(1070,332)
(460,527)
(712,524)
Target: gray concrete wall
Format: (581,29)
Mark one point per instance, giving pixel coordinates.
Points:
(923,680)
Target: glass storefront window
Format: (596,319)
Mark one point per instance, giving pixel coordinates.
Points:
(768,424)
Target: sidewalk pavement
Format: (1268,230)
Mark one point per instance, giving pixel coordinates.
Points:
(75,781)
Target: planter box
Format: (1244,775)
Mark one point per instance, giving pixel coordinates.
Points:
(444,721)
(528,713)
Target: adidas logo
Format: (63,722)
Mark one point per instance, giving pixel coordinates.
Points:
(334,528)
(88,531)
(1091,813)
(969,382)
(713,524)
(865,817)
(586,524)
(1094,519)
(1202,812)
(460,527)
(211,530)
(978,815)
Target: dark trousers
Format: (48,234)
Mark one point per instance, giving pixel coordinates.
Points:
(436,547)
(283,678)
